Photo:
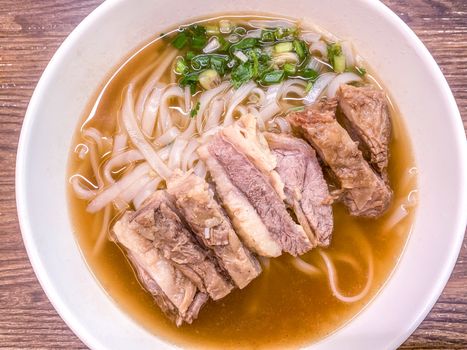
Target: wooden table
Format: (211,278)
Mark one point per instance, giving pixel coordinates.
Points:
(30,33)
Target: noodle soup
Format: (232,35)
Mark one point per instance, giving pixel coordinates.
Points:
(295,300)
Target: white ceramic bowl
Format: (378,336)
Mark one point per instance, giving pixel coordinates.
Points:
(113,31)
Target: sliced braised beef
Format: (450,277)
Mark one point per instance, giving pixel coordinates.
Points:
(363,191)
(212,227)
(243,215)
(177,296)
(306,190)
(367,119)
(247,139)
(256,189)
(159,221)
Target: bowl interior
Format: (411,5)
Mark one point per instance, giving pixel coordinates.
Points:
(114,31)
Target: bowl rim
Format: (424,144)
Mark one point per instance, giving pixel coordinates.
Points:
(43,276)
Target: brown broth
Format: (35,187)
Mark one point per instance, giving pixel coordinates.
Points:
(283,307)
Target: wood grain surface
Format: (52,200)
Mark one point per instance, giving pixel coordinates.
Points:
(30,33)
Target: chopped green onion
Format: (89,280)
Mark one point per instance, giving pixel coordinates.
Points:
(267,36)
(360,71)
(273,77)
(300,48)
(284,33)
(180,40)
(198,36)
(219,63)
(240,31)
(209,79)
(283,47)
(308,87)
(241,74)
(245,43)
(336,57)
(308,73)
(191,80)
(200,61)
(254,57)
(190,55)
(194,111)
(224,44)
(180,66)
(339,64)
(290,69)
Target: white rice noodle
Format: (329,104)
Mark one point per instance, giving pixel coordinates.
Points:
(240,111)
(200,169)
(341,79)
(130,193)
(164,152)
(257,96)
(238,96)
(96,136)
(82,150)
(318,87)
(146,191)
(204,102)
(137,138)
(283,125)
(112,192)
(119,161)
(396,217)
(412,199)
(319,47)
(120,205)
(402,211)
(164,121)
(305,267)
(187,99)
(94,159)
(102,236)
(187,159)
(190,130)
(318,65)
(275,23)
(332,275)
(271,94)
(348,53)
(214,114)
(348,259)
(165,61)
(310,37)
(167,137)
(254,111)
(291,86)
(151,107)
(120,142)
(175,156)
(269,111)
(80,191)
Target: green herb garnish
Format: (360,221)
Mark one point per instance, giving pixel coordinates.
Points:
(194,111)
(336,57)
(273,77)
